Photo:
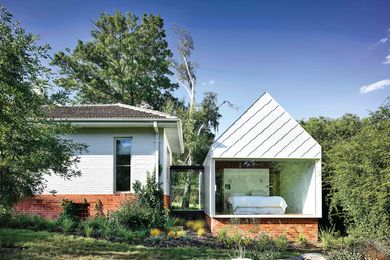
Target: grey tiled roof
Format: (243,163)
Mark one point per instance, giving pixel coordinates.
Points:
(110,111)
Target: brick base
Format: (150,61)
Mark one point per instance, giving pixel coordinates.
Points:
(49,206)
(289,227)
(167,201)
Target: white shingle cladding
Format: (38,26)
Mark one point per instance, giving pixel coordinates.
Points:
(266,130)
(97,166)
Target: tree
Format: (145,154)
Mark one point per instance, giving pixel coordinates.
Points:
(126,61)
(356,163)
(30,146)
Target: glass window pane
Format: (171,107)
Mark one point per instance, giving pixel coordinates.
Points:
(123,178)
(123,146)
(123,151)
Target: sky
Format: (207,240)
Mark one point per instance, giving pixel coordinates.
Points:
(316,58)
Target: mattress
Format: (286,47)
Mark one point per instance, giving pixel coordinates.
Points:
(258,205)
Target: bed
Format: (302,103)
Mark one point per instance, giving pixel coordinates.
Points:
(257,205)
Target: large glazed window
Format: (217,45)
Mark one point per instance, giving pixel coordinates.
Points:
(265,187)
(123,164)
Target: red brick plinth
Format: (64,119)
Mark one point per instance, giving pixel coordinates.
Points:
(289,227)
(167,201)
(49,206)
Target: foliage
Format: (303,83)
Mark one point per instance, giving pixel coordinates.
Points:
(147,211)
(127,61)
(30,146)
(356,170)
(68,225)
(195,225)
(97,227)
(71,210)
(301,239)
(329,237)
(48,245)
(25,221)
(200,232)
(155,232)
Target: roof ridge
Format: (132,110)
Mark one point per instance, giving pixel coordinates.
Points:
(146,110)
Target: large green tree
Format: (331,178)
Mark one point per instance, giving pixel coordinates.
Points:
(356,170)
(30,144)
(127,60)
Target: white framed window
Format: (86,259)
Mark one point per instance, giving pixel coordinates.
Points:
(122,164)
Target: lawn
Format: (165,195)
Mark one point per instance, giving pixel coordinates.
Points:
(26,244)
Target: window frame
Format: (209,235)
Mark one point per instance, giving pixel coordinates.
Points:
(115,162)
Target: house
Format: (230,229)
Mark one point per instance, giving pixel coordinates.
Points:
(264,174)
(124,144)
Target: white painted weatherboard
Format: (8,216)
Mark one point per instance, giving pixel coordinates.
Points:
(97,165)
(266,130)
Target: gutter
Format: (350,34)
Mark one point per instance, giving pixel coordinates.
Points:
(155,126)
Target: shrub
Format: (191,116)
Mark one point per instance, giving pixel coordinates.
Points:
(181,233)
(33,222)
(263,243)
(281,242)
(201,232)
(146,212)
(71,209)
(134,216)
(171,222)
(68,225)
(329,237)
(195,225)
(301,239)
(155,232)
(345,254)
(97,227)
(171,233)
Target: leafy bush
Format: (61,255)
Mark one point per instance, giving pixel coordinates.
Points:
(71,210)
(345,254)
(97,227)
(201,232)
(301,239)
(146,212)
(195,225)
(68,225)
(329,237)
(281,242)
(263,242)
(155,232)
(181,233)
(33,222)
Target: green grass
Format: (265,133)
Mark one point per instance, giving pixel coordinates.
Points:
(26,244)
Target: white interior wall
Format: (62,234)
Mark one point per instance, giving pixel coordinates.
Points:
(297,186)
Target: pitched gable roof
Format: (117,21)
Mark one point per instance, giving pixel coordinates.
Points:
(108,111)
(266,130)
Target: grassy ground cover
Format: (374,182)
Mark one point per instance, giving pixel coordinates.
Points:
(27,244)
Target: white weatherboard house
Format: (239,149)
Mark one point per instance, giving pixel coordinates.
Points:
(124,144)
(265,172)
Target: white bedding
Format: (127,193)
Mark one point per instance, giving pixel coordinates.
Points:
(257,205)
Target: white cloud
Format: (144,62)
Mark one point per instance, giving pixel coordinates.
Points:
(387,59)
(211,82)
(375,86)
(380,42)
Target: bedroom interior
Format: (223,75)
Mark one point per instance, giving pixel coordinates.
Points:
(264,187)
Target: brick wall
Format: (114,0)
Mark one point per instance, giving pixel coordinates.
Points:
(49,206)
(290,227)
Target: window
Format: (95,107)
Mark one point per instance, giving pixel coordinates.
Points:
(123,164)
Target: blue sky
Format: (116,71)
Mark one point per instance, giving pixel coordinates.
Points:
(313,57)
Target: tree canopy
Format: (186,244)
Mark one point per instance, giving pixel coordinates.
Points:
(30,144)
(127,60)
(356,170)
